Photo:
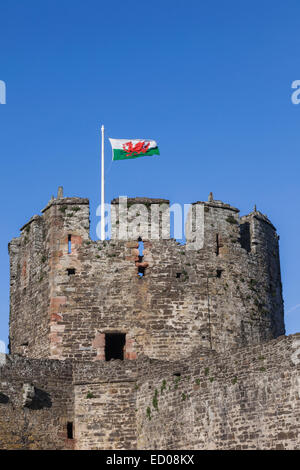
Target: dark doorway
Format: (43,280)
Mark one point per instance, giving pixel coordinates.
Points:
(114,346)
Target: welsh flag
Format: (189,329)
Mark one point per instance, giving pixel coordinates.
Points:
(124,149)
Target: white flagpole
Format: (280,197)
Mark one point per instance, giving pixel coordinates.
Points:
(102,187)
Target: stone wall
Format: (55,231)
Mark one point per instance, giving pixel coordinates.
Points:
(248,398)
(36,403)
(105,405)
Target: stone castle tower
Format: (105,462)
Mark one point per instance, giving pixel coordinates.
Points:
(68,293)
(99,331)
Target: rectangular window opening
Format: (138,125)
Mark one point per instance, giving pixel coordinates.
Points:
(219,273)
(245,236)
(69,244)
(70,429)
(217,244)
(141,271)
(114,346)
(71,271)
(178,275)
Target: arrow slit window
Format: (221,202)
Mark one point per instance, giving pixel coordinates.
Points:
(69,244)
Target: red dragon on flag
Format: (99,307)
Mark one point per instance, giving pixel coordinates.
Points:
(124,149)
(138,148)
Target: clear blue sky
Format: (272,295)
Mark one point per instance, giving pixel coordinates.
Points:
(210,81)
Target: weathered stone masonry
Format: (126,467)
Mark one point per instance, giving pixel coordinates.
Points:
(202,366)
(247,398)
(36,403)
(223,295)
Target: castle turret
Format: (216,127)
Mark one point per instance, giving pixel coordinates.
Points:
(260,240)
(240,257)
(72,297)
(41,260)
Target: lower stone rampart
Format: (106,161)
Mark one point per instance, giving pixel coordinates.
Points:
(243,399)
(247,398)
